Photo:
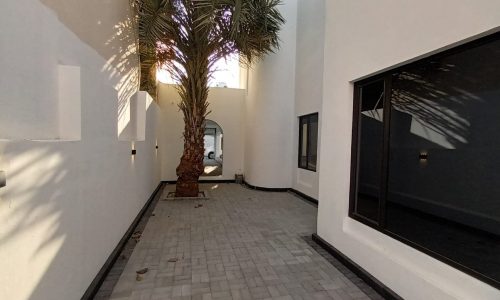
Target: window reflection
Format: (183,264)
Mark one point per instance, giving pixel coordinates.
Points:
(443,172)
(308,142)
(371,132)
(440,175)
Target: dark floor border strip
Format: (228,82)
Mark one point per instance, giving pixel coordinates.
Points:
(282,190)
(265,189)
(373,282)
(217,181)
(304,196)
(101,276)
(204,181)
(258,188)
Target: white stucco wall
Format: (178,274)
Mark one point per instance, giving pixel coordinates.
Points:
(226,106)
(362,38)
(270,111)
(28,77)
(308,84)
(66,204)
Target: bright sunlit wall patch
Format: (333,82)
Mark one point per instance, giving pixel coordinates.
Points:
(227,74)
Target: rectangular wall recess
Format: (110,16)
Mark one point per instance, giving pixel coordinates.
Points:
(70,118)
(132,117)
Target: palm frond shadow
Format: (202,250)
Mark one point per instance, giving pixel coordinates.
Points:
(438,100)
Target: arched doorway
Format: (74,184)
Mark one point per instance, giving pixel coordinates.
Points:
(214,139)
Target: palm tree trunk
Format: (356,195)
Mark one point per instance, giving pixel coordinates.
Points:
(194,93)
(191,165)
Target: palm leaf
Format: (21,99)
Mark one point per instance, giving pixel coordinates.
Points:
(187,37)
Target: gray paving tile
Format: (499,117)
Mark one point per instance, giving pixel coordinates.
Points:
(240,244)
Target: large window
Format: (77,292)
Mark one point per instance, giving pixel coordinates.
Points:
(308,141)
(425,157)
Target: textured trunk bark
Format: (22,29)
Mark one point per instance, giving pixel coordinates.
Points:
(191,165)
(193,90)
(194,93)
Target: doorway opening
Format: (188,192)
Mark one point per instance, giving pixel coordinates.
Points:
(214,140)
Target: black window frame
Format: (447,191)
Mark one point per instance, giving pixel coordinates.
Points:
(308,118)
(380,226)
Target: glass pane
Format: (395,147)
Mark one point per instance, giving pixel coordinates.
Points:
(371,134)
(304,139)
(444,179)
(313,143)
(303,143)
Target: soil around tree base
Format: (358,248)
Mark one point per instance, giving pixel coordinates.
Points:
(187,189)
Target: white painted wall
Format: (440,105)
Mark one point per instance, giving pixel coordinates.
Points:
(226,106)
(66,204)
(28,81)
(308,84)
(361,38)
(270,111)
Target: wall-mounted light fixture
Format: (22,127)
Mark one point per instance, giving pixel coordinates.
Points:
(134,152)
(423,156)
(156,146)
(3,179)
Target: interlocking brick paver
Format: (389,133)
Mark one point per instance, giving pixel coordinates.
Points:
(241,244)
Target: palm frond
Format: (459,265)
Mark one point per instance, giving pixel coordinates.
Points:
(249,28)
(174,33)
(187,37)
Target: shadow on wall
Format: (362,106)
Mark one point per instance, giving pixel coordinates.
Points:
(42,223)
(107,26)
(33,208)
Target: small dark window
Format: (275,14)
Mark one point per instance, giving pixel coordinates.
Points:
(308,142)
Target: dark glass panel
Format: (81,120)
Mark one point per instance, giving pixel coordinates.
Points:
(312,143)
(371,132)
(303,142)
(444,168)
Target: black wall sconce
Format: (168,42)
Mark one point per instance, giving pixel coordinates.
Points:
(3,179)
(423,156)
(134,152)
(156,147)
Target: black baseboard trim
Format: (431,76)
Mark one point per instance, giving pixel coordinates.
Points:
(205,181)
(101,276)
(258,188)
(373,282)
(283,190)
(217,181)
(265,189)
(304,196)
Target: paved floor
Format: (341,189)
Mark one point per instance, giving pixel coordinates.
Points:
(238,244)
(213,167)
(106,288)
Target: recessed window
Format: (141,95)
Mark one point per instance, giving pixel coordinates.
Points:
(425,162)
(308,141)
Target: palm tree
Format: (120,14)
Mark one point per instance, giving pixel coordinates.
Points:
(187,37)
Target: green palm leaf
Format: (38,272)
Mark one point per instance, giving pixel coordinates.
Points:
(187,37)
